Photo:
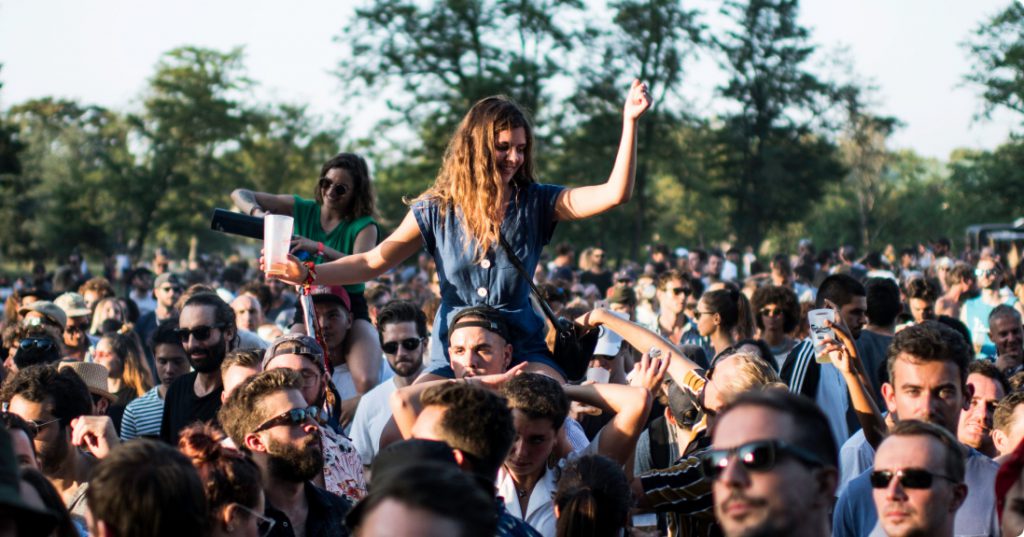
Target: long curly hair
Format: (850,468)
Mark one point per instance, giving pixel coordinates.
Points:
(469,179)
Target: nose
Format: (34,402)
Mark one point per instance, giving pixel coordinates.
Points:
(311,427)
(895,490)
(734,474)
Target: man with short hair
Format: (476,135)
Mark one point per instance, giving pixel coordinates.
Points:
(76,332)
(477,424)
(237,366)
(248,313)
(1007,334)
(918,480)
(928,370)
(268,418)
(166,499)
(975,312)
(141,290)
(960,282)
(206,329)
(772,465)
(94,290)
(52,400)
(986,385)
(403,336)
(142,416)
(672,289)
(1008,424)
(167,290)
(343,470)
(822,381)
(921,296)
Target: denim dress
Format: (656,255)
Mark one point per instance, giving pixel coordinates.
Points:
(528,225)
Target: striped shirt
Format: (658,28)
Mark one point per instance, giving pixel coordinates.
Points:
(143,415)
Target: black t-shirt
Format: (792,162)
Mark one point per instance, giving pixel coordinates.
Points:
(183,408)
(603,280)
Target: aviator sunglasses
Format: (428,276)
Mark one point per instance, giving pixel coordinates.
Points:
(759,456)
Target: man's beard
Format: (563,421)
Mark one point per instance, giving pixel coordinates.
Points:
(211,362)
(52,457)
(295,464)
(406,368)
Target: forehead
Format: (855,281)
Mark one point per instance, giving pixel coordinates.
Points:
(1003,323)
(909,370)
(527,426)
(339,175)
(908,451)
(856,303)
(103,343)
(749,423)
(985,387)
(468,336)
(515,136)
(168,350)
(398,331)
(30,410)
(243,302)
(196,315)
(986,264)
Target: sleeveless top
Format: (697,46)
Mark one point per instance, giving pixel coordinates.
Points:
(307,224)
(528,226)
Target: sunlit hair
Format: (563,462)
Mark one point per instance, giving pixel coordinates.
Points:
(469,178)
(128,349)
(363,201)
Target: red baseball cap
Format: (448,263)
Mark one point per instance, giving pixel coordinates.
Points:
(337,293)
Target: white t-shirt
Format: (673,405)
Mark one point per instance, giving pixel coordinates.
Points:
(372,414)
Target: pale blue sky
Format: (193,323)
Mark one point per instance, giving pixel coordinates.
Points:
(102,51)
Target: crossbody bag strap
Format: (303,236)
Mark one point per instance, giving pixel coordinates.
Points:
(548,312)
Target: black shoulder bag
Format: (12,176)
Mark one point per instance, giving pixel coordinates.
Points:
(574,344)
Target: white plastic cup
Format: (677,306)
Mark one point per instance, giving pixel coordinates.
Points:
(599,375)
(277,239)
(820,332)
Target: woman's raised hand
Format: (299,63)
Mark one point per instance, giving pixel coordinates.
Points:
(638,101)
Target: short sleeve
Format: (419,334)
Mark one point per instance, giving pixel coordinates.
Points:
(547,197)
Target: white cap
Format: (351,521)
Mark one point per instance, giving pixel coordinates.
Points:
(608,343)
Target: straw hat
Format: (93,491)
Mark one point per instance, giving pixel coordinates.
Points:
(94,375)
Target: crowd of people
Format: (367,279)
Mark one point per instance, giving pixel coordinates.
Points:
(431,398)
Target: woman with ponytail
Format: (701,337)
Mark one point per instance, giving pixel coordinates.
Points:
(592,499)
(724,316)
(231,482)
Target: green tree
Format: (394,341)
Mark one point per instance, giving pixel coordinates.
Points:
(997,46)
(772,164)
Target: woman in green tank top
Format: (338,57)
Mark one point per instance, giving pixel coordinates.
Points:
(339,221)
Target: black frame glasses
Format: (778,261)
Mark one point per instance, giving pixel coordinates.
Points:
(295,416)
(201,333)
(409,344)
(680,291)
(910,478)
(326,185)
(33,426)
(757,456)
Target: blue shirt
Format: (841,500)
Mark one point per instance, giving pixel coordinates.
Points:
(528,225)
(855,514)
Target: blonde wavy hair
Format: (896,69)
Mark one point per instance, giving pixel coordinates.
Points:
(469,179)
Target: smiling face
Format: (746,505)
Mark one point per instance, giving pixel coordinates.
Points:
(338,189)
(976,421)
(510,152)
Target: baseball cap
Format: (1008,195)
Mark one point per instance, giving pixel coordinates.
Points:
(47,309)
(622,295)
(333,293)
(489,319)
(295,344)
(608,343)
(73,305)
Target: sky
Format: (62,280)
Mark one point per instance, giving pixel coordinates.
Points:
(103,51)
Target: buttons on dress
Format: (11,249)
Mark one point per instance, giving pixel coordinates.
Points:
(481,292)
(486,263)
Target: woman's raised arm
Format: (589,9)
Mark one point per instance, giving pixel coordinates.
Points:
(585,201)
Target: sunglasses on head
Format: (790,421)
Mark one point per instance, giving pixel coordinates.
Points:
(327,184)
(201,333)
(295,416)
(409,344)
(910,478)
(758,456)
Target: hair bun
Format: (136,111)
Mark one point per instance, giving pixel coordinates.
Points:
(201,443)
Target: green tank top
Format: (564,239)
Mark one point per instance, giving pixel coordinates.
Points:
(307,224)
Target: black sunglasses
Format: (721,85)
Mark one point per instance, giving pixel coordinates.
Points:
(37,343)
(327,184)
(680,290)
(910,478)
(33,426)
(201,333)
(759,456)
(771,313)
(409,344)
(295,416)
